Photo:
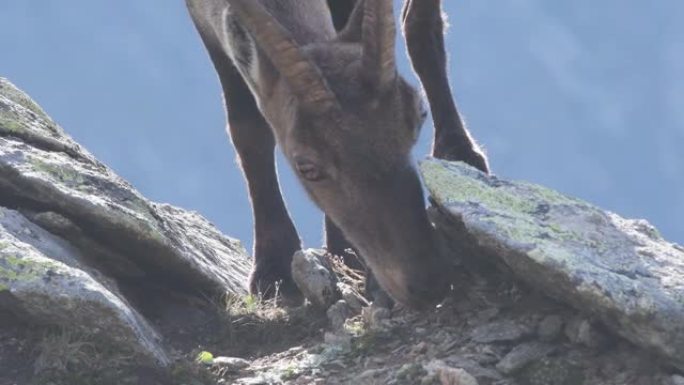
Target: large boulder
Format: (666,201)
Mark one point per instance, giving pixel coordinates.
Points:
(618,270)
(72,233)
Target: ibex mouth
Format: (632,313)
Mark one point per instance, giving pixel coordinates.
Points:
(418,287)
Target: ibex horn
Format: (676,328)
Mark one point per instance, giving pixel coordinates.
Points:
(378,43)
(301,75)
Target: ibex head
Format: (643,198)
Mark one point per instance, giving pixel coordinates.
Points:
(346,121)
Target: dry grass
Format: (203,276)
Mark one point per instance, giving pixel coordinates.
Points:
(67,357)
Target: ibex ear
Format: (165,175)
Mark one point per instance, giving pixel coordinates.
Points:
(352,32)
(378,34)
(300,73)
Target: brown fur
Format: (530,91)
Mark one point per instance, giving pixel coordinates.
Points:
(348,135)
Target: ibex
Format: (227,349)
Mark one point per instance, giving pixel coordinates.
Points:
(319,78)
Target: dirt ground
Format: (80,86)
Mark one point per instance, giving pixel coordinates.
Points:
(491,331)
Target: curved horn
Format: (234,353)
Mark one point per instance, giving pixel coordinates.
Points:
(303,77)
(378,43)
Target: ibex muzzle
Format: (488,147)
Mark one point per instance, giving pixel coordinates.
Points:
(345,120)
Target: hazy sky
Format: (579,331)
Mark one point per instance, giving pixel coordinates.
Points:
(582,96)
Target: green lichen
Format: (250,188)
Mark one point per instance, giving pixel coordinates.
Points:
(65,175)
(448,186)
(458,182)
(11,92)
(514,208)
(11,126)
(15,268)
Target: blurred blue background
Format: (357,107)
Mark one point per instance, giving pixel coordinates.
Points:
(583,96)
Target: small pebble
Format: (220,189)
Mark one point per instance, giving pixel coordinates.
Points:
(448,375)
(232,364)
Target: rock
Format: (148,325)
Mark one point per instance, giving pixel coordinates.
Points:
(355,300)
(369,375)
(44,170)
(676,380)
(418,349)
(315,278)
(550,328)
(410,373)
(499,331)
(474,368)
(581,331)
(342,340)
(230,364)
(74,235)
(376,317)
(522,355)
(617,269)
(552,371)
(448,375)
(338,314)
(47,284)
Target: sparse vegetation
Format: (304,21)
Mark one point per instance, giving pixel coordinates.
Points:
(65,357)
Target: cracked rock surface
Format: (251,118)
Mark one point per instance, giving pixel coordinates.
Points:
(619,270)
(81,249)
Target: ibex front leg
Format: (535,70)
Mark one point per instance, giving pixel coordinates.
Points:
(424,32)
(275,236)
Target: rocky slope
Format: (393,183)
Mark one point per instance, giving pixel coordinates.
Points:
(100,286)
(82,250)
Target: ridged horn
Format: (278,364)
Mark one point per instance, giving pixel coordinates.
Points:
(379,32)
(301,75)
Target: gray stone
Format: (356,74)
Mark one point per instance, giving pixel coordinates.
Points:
(475,368)
(376,317)
(342,340)
(44,170)
(49,285)
(581,331)
(448,375)
(314,277)
(355,300)
(499,331)
(618,269)
(522,355)
(548,371)
(230,364)
(76,232)
(550,328)
(338,314)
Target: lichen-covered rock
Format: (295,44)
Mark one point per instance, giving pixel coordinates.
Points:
(74,236)
(619,270)
(47,282)
(43,170)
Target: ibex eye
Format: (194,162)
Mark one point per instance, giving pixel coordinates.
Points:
(309,171)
